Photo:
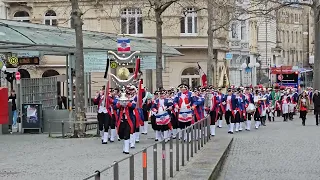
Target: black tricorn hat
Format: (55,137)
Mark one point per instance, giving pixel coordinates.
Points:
(183,86)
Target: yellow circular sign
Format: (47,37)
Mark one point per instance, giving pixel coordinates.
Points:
(13,60)
(113,65)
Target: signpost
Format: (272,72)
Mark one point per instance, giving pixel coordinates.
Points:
(280,77)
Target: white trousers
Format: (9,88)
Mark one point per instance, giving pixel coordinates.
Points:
(285,108)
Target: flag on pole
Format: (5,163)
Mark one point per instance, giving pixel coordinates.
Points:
(107,77)
(203,76)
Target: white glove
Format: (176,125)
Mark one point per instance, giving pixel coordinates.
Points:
(223,103)
(235,111)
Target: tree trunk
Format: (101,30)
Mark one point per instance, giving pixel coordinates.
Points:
(79,61)
(210,70)
(159,83)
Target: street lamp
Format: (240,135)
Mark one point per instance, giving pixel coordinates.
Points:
(250,66)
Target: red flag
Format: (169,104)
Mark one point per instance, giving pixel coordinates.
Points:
(204,80)
(137,68)
(140,94)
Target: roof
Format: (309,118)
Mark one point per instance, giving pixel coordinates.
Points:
(51,39)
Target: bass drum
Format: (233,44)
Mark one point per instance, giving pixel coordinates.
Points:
(251,108)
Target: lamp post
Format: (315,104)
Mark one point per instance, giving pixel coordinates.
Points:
(3,69)
(251,66)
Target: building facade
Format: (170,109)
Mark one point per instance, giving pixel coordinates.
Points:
(184,28)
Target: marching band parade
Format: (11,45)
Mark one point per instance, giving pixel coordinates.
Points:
(171,111)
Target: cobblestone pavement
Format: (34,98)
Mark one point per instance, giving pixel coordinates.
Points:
(279,151)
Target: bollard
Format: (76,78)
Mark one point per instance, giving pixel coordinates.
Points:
(195,140)
(62,126)
(144,164)
(182,149)
(131,167)
(155,162)
(171,157)
(116,171)
(177,152)
(163,160)
(49,128)
(204,131)
(192,139)
(97,176)
(208,129)
(187,130)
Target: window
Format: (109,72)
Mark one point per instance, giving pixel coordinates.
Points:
(21,16)
(288,36)
(131,21)
(50,18)
(292,36)
(297,37)
(189,23)
(243,30)
(234,30)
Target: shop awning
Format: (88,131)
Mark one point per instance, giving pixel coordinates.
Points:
(58,40)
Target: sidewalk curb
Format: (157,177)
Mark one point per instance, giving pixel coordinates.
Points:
(218,168)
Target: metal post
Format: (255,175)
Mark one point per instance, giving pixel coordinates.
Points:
(208,129)
(198,138)
(177,151)
(192,139)
(116,171)
(171,157)
(97,176)
(131,167)
(86,90)
(90,89)
(62,130)
(202,129)
(187,131)
(155,162)
(49,128)
(183,131)
(163,160)
(195,135)
(144,164)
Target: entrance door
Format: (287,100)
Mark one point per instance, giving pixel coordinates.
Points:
(191,77)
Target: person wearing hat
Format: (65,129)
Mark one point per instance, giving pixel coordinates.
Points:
(213,108)
(146,107)
(303,106)
(160,107)
(173,115)
(228,107)
(220,96)
(154,125)
(198,106)
(183,102)
(239,112)
(125,120)
(292,103)
(249,113)
(285,100)
(103,118)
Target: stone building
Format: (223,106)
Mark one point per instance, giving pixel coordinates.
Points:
(184,27)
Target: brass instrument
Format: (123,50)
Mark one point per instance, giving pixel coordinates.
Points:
(123,73)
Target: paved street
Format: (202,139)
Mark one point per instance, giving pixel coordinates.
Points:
(280,151)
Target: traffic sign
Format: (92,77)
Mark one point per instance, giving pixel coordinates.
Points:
(18,76)
(13,61)
(113,65)
(229,56)
(280,77)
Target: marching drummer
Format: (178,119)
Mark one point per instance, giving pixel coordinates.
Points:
(250,108)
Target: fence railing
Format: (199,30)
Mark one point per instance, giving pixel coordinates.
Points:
(64,127)
(193,138)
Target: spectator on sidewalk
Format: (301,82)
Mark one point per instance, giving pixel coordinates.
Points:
(316,102)
(13,98)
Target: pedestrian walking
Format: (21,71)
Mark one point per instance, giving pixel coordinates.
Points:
(303,106)
(13,98)
(316,103)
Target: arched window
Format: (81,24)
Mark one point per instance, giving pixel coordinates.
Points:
(191,77)
(50,18)
(50,73)
(21,16)
(131,21)
(189,22)
(24,73)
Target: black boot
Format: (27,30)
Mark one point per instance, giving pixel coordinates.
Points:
(303,122)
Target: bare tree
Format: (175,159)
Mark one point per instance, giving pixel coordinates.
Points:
(79,105)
